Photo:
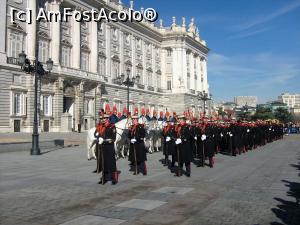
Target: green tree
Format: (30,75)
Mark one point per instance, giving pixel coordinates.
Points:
(263,113)
(283,115)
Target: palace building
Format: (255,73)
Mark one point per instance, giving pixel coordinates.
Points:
(88,57)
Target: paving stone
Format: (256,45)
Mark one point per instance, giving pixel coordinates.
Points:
(93,220)
(155,196)
(123,213)
(141,204)
(174,190)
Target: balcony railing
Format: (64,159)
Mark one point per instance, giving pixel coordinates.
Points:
(12,60)
(159,90)
(192,91)
(150,88)
(140,86)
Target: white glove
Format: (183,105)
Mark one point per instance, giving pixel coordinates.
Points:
(221,135)
(248,131)
(195,138)
(101,140)
(168,139)
(97,134)
(230,134)
(203,137)
(269,128)
(178,141)
(133,140)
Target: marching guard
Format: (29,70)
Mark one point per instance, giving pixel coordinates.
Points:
(106,162)
(137,150)
(184,153)
(169,136)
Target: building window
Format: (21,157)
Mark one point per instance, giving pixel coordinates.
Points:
(17,79)
(84,38)
(16,44)
(84,24)
(89,107)
(115,69)
(149,78)
(115,34)
(149,49)
(169,52)
(139,72)
(188,81)
(102,65)
(43,50)
(46,105)
(66,28)
(169,85)
(101,44)
(127,39)
(84,61)
(65,56)
(101,28)
(158,81)
(138,43)
(18,104)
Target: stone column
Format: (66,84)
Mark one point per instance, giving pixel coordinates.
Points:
(133,56)
(94,46)
(144,59)
(184,67)
(58,103)
(198,72)
(121,45)
(3,8)
(205,82)
(55,33)
(79,110)
(108,53)
(76,44)
(31,32)
(163,68)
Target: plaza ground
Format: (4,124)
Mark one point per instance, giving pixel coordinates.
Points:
(58,187)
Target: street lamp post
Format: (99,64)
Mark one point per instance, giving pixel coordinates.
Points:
(128,83)
(203,96)
(37,69)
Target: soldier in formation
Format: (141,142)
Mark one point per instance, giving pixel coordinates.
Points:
(105,135)
(185,139)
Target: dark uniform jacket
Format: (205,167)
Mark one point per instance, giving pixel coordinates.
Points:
(137,150)
(106,151)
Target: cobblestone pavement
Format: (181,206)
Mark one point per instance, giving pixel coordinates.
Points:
(59,188)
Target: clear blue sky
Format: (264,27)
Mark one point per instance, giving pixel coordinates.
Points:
(255,45)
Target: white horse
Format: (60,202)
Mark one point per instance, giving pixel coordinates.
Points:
(120,142)
(154,134)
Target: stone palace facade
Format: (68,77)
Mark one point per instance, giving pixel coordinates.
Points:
(88,56)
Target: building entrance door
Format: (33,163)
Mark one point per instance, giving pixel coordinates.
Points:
(69,108)
(46,125)
(17,125)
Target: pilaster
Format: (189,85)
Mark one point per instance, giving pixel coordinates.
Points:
(31,32)
(76,44)
(94,47)
(55,33)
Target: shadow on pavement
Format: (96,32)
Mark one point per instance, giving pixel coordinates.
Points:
(289,211)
